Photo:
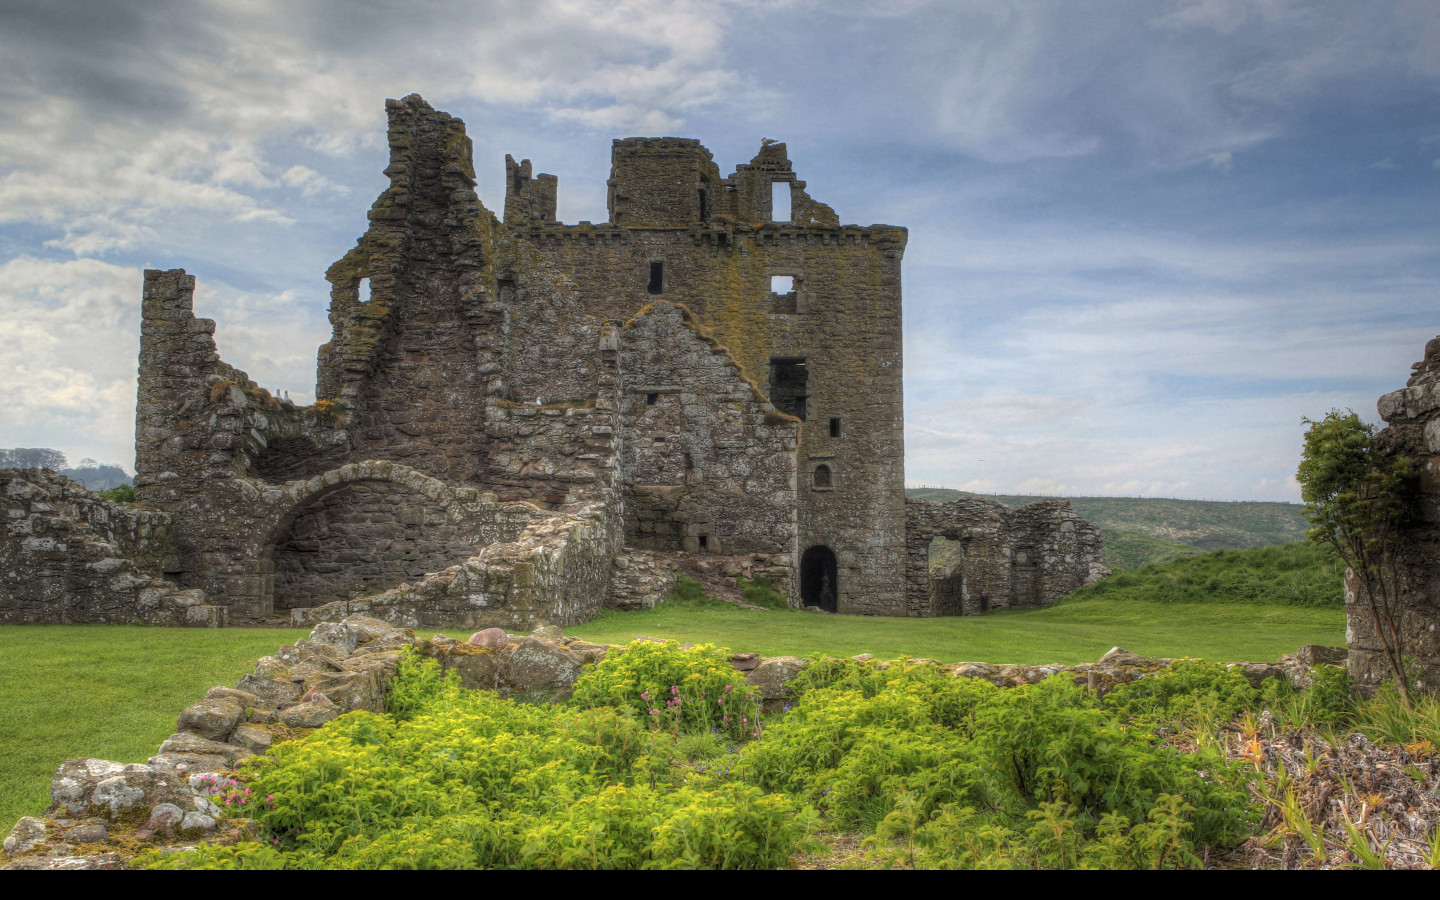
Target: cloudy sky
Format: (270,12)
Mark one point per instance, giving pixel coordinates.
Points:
(1146,236)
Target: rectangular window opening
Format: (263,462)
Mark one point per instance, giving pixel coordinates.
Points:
(657,278)
(835,428)
(704,542)
(788,379)
(782,284)
(650,399)
(779,201)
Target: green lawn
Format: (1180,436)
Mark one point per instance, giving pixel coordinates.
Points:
(1070,633)
(107,691)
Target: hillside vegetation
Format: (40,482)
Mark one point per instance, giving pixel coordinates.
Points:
(1143,530)
(1299,574)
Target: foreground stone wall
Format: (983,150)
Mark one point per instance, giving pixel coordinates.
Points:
(1011,559)
(1412,417)
(70,557)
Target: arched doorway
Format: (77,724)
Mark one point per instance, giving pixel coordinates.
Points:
(818,578)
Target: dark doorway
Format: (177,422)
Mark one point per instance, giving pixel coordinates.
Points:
(818,585)
(657,278)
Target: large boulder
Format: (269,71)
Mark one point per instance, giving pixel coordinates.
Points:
(773,676)
(543,666)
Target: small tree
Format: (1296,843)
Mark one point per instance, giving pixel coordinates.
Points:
(1358,500)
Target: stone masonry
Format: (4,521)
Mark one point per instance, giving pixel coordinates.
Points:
(1412,417)
(509,412)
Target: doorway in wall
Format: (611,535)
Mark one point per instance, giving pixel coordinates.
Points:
(818,578)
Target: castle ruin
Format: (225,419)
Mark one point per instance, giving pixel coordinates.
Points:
(517,422)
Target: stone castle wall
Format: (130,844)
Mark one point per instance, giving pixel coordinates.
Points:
(1412,417)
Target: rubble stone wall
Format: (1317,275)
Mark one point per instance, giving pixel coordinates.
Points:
(1011,559)
(71,557)
(1412,417)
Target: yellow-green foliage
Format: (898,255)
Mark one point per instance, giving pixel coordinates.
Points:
(1058,779)
(694,689)
(468,780)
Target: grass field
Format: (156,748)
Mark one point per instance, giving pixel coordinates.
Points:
(1078,632)
(107,691)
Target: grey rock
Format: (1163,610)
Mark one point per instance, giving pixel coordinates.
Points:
(773,676)
(194,820)
(269,691)
(335,634)
(308,715)
(255,739)
(91,833)
(543,665)
(549,633)
(27,834)
(490,638)
(98,861)
(164,816)
(187,743)
(214,719)
(1316,655)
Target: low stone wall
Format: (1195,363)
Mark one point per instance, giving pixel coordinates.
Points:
(68,556)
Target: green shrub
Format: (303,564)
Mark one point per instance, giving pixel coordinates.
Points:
(693,689)
(124,493)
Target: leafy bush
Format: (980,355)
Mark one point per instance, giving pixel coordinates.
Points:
(912,753)
(693,689)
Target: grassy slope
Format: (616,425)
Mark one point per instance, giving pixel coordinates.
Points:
(1299,574)
(107,691)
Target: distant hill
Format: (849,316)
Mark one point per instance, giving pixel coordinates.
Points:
(1141,530)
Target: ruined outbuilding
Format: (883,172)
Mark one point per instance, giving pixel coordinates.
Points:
(512,413)
(1412,417)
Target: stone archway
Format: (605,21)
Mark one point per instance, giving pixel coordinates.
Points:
(819,573)
(362,528)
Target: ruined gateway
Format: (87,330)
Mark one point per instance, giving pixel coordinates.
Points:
(519,422)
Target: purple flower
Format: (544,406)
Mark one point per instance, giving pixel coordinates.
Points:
(654,712)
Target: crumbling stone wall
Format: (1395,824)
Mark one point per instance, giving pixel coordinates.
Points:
(1011,559)
(712,459)
(1412,417)
(71,557)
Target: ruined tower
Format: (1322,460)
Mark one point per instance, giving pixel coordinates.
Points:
(810,308)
